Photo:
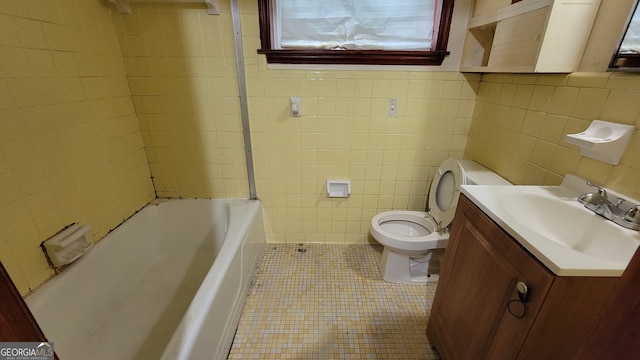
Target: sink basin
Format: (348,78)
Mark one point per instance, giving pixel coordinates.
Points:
(553,226)
(570,224)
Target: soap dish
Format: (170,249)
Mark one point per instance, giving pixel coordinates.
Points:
(604,141)
(68,245)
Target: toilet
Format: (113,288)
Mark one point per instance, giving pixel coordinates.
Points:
(414,241)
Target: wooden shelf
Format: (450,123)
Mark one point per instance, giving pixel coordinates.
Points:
(547,36)
(507,12)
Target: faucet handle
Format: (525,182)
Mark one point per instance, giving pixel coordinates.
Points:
(633,215)
(599,189)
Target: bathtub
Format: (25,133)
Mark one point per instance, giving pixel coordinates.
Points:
(169,283)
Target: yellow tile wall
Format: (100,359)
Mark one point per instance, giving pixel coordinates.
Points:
(180,64)
(70,144)
(520,121)
(181,69)
(345,133)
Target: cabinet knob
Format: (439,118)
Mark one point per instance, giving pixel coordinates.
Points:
(523,291)
(518,307)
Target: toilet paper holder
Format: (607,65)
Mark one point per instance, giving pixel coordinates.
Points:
(338,188)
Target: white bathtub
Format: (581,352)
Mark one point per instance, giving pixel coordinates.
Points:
(168,283)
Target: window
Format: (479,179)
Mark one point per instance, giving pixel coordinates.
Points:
(371,32)
(628,54)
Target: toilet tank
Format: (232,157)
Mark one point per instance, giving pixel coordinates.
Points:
(477,174)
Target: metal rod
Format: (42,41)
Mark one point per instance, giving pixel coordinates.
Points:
(242,87)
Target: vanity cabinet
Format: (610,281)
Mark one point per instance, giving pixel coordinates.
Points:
(528,36)
(477,312)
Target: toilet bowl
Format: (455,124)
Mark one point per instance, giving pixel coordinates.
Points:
(414,241)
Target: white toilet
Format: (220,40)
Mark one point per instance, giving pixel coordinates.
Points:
(414,241)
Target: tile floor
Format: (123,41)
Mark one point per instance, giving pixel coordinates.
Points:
(316,301)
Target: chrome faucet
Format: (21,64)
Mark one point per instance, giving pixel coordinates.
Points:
(600,194)
(599,203)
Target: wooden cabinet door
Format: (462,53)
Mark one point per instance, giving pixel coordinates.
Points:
(482,265)
(616,333)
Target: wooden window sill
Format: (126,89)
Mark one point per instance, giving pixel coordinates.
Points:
(354,57)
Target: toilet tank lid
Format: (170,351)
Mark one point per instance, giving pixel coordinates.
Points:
(477,174)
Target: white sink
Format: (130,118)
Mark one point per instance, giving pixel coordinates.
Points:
(552,225)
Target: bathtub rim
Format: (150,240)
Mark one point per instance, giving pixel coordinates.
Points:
(255,209)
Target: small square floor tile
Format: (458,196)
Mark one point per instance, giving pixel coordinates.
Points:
(317,301)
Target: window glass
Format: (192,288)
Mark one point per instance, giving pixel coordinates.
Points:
(354,25)
(631,42)
(364,32)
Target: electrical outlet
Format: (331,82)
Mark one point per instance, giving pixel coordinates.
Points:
(393,108)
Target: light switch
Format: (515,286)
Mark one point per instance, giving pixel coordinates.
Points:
(296,106)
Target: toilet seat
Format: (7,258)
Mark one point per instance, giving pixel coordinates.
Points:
(443,198)
(432,239)
(445,192)
(410,256)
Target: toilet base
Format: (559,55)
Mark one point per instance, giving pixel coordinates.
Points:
(406,269)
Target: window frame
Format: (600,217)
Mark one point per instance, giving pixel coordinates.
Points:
(434,57)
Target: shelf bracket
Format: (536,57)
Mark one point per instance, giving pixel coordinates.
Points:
(213,7)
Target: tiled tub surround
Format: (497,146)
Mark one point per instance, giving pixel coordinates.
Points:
(70,143)
(328,301)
